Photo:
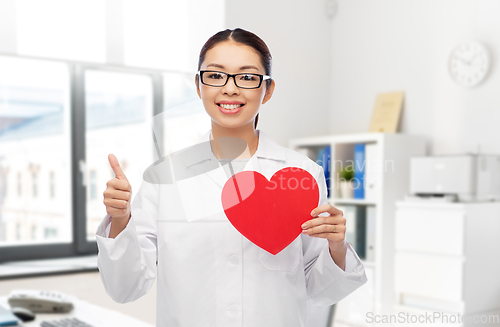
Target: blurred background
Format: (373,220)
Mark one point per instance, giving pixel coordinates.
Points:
(82,79)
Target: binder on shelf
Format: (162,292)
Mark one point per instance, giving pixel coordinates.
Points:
(350,216)
(372,172)
(323,159)
(355,227)
(360,232)
(370,233)
(359,171)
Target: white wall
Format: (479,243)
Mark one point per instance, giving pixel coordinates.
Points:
(298,33)
(386,45)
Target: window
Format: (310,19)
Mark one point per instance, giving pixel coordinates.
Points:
(50,233)
(50,199)
(19,185)
(18,232)
(52,182)
(93,185)
(4,180)
(119,112)
(63,29)
(183,114)
(35,134)
(169,34)
(33,232)
(41,134)
(35,184)
(150,35)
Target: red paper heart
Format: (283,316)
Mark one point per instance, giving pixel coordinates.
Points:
(270,213)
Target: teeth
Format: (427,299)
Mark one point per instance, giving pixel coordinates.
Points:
(230,106)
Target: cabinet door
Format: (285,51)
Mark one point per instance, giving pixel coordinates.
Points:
(430,230)
(432,276)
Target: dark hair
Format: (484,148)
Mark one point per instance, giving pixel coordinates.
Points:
(244,37)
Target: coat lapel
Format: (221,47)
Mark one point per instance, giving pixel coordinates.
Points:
(201,194)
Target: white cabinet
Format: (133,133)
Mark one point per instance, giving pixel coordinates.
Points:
(447,257)
(388,157)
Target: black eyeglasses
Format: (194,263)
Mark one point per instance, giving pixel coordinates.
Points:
(244,80)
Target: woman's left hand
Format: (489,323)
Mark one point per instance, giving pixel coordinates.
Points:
(331,227)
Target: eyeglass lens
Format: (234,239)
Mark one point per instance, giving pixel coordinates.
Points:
(242,80)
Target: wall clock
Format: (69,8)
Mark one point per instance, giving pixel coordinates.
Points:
(469,63)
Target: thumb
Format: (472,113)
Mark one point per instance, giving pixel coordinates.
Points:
(115,165)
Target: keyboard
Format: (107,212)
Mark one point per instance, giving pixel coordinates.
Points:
(68,322)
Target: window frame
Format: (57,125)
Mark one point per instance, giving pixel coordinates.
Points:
(80,245)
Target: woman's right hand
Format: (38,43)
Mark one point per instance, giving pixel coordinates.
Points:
(118,194)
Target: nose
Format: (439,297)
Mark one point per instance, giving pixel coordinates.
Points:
(230,88)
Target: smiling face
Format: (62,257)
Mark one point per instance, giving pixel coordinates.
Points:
(230,106)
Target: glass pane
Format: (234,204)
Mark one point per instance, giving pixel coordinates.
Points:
(73,30)
(35,162)
(184,119)
(169,34)
(156,33)
(119,110)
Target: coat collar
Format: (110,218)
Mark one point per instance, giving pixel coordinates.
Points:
(267,148)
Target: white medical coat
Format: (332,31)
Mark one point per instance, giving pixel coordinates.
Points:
(208,273)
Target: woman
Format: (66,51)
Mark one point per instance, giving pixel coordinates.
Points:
(208,273)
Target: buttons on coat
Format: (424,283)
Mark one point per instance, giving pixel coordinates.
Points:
(234,260)
(233,310)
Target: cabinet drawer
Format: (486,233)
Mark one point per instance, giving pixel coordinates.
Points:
(430,230)
(429,275)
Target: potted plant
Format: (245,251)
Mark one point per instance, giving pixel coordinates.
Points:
(346,183)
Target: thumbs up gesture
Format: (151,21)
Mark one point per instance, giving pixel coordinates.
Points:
(118,193)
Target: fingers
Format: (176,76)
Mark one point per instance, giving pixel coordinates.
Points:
(332,220)
(111,193)
(118,184)
(115,165)
(115,203)
(332,227)
(118,192)
(326,208)
(325,228)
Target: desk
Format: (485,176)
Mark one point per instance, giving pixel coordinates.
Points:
(87,312)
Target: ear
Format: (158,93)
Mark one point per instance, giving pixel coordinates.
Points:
(197,83)
(269,92)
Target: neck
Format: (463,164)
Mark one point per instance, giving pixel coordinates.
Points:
(247,133)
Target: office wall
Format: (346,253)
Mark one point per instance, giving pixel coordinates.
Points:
(385,45)
(298,34)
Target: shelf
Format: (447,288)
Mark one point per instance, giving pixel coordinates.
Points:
(391,150)
(339,139)
(352,201)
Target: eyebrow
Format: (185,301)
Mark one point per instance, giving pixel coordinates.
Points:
(241,68)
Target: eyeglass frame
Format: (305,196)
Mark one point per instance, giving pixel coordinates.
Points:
(262,78)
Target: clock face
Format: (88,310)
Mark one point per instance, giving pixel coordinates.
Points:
(469,64)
